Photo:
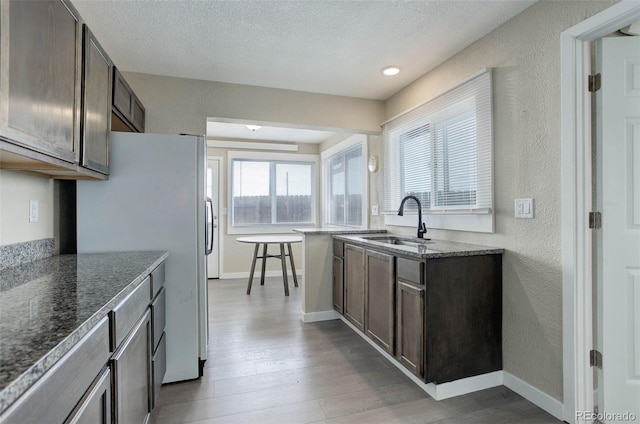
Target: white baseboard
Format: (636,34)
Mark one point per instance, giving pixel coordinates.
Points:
(444,390)
(465,385)
(319,316)
(533,395)
(256,275)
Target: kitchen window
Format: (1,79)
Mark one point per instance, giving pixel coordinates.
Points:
(441,152)
(271,190)
(345,183)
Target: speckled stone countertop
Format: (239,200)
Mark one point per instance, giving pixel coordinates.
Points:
(419,248)
(335,230)
(48,305)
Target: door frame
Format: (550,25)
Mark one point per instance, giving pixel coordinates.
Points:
(218,210)
(577,197)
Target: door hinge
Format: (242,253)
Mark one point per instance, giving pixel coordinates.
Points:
(595,358)
(595,220)
(595,81)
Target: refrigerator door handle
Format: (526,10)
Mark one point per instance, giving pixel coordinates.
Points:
(209,227)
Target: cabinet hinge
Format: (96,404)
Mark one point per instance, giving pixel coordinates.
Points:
(595,358)
(595,81)
(595,220)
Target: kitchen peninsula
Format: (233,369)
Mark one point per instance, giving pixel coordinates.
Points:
(432,307)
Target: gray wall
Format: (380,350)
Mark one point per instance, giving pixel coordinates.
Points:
(525,56)
(176,105)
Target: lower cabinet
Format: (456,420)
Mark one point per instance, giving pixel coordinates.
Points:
(410,321)
(354,285)
(58,391)
(380,299)
(95,405)
(410,314)
(132,374)
(113,374)
(338,276)
(441,318)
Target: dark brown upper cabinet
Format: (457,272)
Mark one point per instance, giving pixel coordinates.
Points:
(128,111)
(55,102)
(41,77)
(96,104)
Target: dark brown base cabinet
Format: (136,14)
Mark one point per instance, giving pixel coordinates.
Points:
(380,299)
(441,318)
(410,322)
(113,374)
(338,276)
(354,285)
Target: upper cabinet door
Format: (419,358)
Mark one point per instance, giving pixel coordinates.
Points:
(96,104)
(40,76)
(126,105)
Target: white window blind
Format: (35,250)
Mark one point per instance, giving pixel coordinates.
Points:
(441,152)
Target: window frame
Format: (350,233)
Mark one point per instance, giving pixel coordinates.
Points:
(438,110)
(340,149)
(274,228)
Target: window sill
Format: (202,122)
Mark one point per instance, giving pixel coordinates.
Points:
(267,229)
(477,222)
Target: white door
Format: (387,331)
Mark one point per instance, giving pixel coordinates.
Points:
(213,177)
(619,197)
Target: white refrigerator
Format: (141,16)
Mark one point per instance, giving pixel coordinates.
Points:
(155,199)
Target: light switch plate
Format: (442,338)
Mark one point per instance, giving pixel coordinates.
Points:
(374,210)
(524,208)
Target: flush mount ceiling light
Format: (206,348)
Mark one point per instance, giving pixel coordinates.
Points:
(253,128)
(390,71)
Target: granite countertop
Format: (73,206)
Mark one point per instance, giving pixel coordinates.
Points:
(48,305)
(335,230)
(419,248)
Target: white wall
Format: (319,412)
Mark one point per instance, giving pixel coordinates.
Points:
(525,55)
(16,190)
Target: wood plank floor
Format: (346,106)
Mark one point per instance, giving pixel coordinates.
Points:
(265,366)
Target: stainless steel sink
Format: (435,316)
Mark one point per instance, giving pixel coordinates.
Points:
(401,241)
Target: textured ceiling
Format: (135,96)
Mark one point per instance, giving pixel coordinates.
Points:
(321,46)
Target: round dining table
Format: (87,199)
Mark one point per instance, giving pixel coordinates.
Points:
(265,241)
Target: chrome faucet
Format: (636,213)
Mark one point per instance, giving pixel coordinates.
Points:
(422,228)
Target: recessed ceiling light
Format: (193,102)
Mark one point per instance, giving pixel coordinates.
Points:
(391,70)
(253,127)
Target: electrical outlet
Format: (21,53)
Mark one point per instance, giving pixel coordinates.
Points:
(524,208)
(374,210)
(33,211)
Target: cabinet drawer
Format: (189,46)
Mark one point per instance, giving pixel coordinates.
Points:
(338,249)
(159,367)
(157,280)
(158,317)
(125,315)
(95,405)
(54,396)
(409,270)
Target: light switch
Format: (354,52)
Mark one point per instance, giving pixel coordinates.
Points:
(524,208)
(374,210)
